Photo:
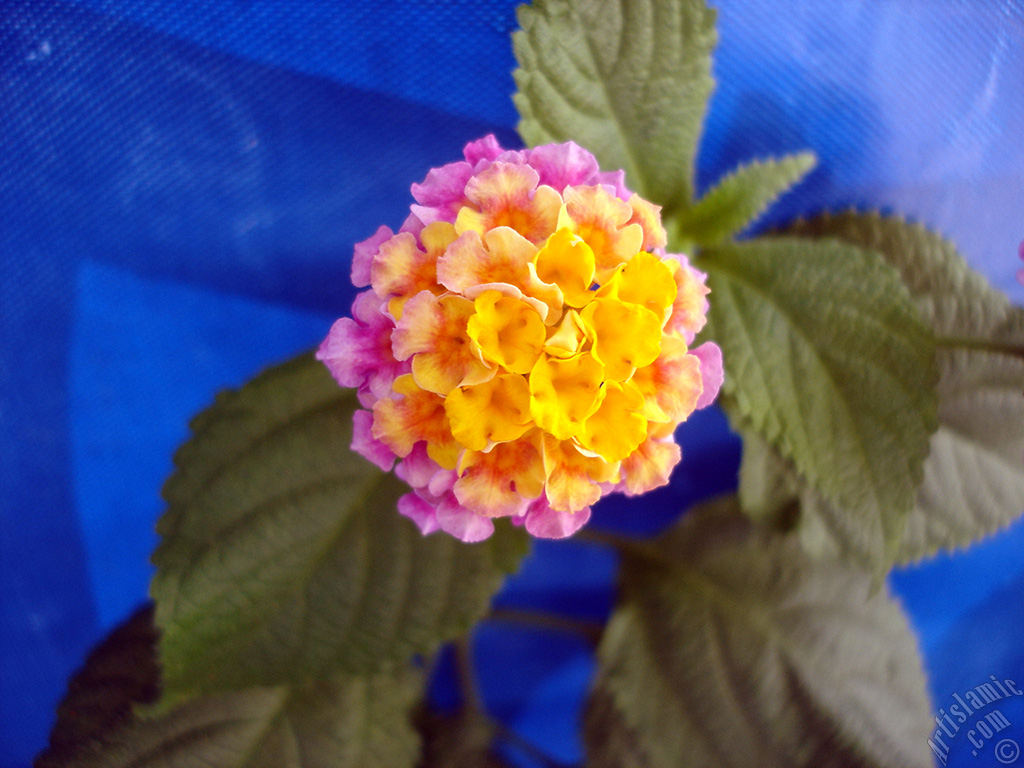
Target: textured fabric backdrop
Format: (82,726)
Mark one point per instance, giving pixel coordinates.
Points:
(181,183)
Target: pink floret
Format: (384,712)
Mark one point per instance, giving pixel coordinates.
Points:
(490,186)
(363,254)
(546,523)
(464,524)
(616,182)
(364,443)
(423,473)
(442,193)
(421,512)
(1020,272)
(358,353)
(711,372)
(487,149)
(432,505)
(563,165)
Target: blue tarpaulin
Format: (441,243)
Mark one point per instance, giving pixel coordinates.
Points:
(181,184)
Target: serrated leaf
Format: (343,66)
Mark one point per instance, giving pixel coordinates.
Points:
(119,673)
(974,475)
(732,647)
(607,739)
(458,740)
(768,484)
(283,556)
(627,79)
(741,197)
(828,359)
(347,722)
(352,722)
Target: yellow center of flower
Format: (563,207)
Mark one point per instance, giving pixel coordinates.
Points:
(570,376)
(507,331)
(546,358)
(568,262)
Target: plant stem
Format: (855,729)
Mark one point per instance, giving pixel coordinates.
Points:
(473,704)
(638,548)
(590,630)
(981,345)
(466,673)
(603,538)
(531,749)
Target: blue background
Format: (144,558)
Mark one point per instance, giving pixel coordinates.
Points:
(181,183)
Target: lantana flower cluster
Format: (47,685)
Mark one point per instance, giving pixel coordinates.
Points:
(523,347)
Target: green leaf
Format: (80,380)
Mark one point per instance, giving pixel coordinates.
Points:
(120,673)
(352,722)
(974,475)
(459,740)
(732,647)
(628,80)
(768,485)
(345,722)
(283,556)
(827,358)
(607,739)
(741,197)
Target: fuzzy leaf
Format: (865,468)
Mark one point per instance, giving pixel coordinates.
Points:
(767,483)
(354,722)
(732,647)
(283,556)
(627,79)
(348,722)
(608,740)
(456,740)
(120,673)
(827,358)
(974,475)
(741,197)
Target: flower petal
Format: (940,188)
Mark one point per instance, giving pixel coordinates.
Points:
(616,428)
(568,262)
(645,280)
(507,331)
(496,411)
(603,221)
(626,336)
(568,338)
(501,482)
(689,310)
(671,385)
(469,262)
(462,523)
(572,478)
(363,254)
(433,332)
(651,465)
(562,165)
(357,351)
(564,393)
(365,444)
(711,372)
(486,148)
(417,467)
(401,269)
(442,193)
(415,414)
(420,511)
(648,216)
(546,523)
(507,195)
